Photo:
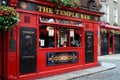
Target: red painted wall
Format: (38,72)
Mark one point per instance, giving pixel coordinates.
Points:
(0,54)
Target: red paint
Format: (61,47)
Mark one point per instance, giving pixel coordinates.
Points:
(13,3)
(0,54)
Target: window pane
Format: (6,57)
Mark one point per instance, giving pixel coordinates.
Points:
(75,37)
(62,37)
(45,19)
(77,23)
(46,36)
(63,21)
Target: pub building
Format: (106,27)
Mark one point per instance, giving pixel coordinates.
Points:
(49,40)
(110,39)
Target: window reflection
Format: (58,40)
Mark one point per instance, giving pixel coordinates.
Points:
(75,37)
(77,23)
(59,37)
(63,21)
(62,37)
(45,19)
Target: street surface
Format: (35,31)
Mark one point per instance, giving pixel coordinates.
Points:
(113,74)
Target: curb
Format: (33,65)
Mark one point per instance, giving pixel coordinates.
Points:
(80,73)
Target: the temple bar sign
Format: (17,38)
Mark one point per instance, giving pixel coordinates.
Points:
(66,13)
(45,9)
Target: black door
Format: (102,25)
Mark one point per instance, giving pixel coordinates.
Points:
(89,47)
(104,45)
(117,44)
(27,50)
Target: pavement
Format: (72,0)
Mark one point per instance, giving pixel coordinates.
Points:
(103,66)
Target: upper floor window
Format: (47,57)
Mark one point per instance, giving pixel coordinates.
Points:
(106,15)
(115,0)
(115,15)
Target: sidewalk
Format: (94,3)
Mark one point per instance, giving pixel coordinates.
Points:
(109,57)
(103,67)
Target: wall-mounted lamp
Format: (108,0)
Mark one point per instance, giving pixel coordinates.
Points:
(3,2)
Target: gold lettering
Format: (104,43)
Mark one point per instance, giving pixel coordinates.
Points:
(76,15)
(81,15)
(47,10)
(66,13)
(57,11)
(28,32)
(43,9)
(73,14)
(50,10)
(61,12)
(84,16)
(40,8)
(88,17)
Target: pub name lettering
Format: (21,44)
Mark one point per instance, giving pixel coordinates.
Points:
(63,12)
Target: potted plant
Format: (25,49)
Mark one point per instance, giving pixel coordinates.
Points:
(8,17)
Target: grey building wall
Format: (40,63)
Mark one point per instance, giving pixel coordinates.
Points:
(112,4)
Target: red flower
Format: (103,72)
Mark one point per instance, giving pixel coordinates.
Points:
(7,13)
(1,13)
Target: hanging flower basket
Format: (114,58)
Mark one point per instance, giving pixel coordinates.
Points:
(111,32)
(104,32)
(117,33)
(8,17)
(69,3)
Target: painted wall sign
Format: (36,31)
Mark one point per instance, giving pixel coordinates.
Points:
(55,58)
(46,9)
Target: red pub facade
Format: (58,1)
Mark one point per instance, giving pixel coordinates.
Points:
(110,39)
(48,41)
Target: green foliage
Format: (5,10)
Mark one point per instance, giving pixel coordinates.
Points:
(111,32)
(8,17)
(104,32)
(117,32)
(69,3)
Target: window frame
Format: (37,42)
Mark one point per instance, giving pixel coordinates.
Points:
(68,26)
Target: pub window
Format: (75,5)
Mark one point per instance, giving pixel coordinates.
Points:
(46,38)
(62,37)
(46,19)
(77,23)
(63,21)
(75,36)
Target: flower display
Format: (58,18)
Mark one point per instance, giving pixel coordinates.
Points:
(8,17)
(69,3)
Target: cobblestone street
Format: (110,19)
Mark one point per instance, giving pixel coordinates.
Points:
(113,74)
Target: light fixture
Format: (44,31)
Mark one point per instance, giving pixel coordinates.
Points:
(48,28)
(51,20)
(4,2)
(23,5)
